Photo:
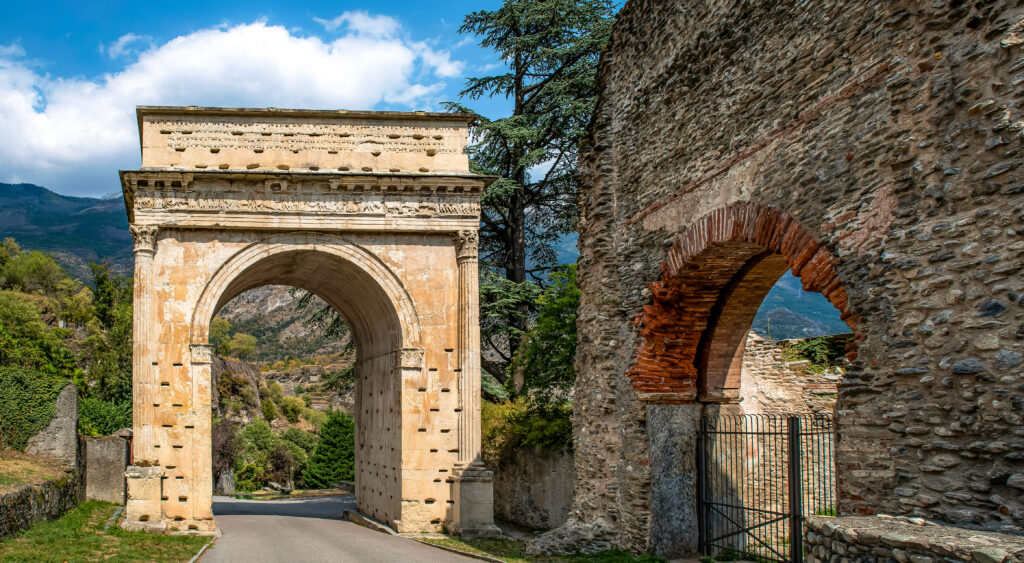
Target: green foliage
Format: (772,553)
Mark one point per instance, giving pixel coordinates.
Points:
(269,410)
(220,335)
(242,345)
(334,457)
(338,381)
(259,436)
(291,408)
(26,341)
(97,417)
(27,400)
(505,307)
(824,352)
(275,392)
(314,417)
(551,50)
(305,440)
(33,271)
(521,423)
(546,360)
(110,291)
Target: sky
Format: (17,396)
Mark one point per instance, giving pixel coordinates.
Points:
(71,73)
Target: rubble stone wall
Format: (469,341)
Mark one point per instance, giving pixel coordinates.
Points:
(885,538)
(533,489)
(23,507)
(875,146)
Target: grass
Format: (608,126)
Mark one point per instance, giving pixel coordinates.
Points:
(17,468)
(512,551)
(79,536)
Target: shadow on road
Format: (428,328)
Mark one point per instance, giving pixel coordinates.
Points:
(332,508)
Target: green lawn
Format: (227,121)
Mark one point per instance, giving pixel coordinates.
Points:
(79,536)
(511,551)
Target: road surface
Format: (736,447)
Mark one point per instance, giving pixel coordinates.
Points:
(307,530)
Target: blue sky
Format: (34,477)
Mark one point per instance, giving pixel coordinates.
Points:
(71,73)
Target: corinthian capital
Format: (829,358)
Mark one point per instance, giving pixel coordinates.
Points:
(466,243)
(144,237)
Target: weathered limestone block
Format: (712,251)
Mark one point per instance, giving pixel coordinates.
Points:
(376,213)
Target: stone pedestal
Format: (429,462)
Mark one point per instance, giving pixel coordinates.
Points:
(473,511)
(142,511)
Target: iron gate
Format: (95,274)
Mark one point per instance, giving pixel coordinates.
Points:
(750,507)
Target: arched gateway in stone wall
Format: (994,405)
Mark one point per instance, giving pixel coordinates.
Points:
(873,148)
(377,214)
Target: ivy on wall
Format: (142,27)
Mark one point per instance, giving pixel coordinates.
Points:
(27,404)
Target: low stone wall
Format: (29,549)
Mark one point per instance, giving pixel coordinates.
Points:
(106,458)
(869,539)
(534,489)
(22,508)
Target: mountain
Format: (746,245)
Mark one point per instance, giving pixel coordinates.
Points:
(76,230)
(790,312)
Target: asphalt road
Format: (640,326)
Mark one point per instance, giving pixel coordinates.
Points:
(307,530)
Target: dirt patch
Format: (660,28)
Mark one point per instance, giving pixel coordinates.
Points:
(17,468)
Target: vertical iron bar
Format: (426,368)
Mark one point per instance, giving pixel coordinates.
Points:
(702,496)
(795,495)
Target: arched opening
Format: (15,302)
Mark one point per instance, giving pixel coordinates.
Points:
(714,279)
(282,364)
(691,347)
(384,328)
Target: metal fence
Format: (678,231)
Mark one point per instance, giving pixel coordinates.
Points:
(750,506)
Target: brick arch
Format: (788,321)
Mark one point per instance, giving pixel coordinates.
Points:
(714,278)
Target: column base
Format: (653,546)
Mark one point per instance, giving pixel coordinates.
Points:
(473,511)
(142,509)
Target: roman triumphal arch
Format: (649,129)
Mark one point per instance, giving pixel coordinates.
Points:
(375,212)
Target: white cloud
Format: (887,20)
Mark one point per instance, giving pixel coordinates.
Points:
(72,134)
(362,23)
(123,45)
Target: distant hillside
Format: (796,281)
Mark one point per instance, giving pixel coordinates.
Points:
(790,312)
(82,229)
(76,230)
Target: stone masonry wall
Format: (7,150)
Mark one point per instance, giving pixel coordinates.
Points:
(534,488)
(885,538)
(22,508)
(771,385)
(874,145)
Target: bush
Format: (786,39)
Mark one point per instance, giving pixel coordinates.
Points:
(334,457)
(291,408)
(97,417)
(275,392)
(522,423)
(27,401)
(269,410)
(305,440)
(314,417)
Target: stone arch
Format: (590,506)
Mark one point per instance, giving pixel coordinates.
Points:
(714,277)
(277,260)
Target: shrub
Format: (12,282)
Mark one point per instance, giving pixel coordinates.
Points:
(27,400)
(305,440)
(97,417)
(314,417)
(334,457)
(269,410)
(275,392)
(291,408)
(259,437)
(522,423)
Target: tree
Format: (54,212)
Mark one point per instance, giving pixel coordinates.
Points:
(544,364)
(551,49)
(242,345)
(220,335)
(109,290)
(334,457)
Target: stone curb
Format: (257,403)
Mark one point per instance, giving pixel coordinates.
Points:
(460,552)
(202,550)
(367,522)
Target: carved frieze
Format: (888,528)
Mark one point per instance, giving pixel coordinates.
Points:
(334,204)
